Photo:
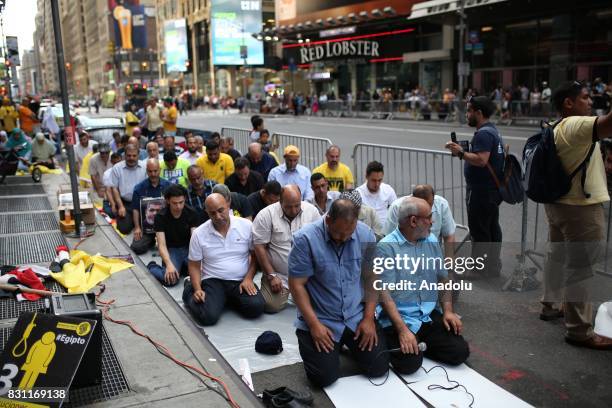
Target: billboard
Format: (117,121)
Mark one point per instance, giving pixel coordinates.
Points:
(129,22)
(175,45)
(233,24)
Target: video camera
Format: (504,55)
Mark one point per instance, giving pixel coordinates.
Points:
(465,144)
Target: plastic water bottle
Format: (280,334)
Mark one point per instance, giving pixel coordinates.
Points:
(82,230)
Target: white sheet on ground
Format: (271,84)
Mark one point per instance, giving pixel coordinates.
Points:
(486,393)
(356,391)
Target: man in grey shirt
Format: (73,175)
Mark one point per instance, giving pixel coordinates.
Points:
(124,177)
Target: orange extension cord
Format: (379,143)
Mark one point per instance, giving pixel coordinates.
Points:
(162,349)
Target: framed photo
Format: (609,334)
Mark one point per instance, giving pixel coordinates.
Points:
(149,207)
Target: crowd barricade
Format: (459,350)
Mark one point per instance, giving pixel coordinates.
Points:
(312,149)
(252,106)
(240,136)
(405,167)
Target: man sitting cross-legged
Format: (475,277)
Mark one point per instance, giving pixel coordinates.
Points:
(173,228)
(412,315)
(221,266)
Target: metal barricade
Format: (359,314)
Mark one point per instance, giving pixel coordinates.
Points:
(406,167)
(240,136)
(312,149)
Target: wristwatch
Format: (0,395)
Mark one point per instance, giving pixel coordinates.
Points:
(460,155)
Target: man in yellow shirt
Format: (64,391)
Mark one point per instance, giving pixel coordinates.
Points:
(169,116)
(576,221)
(338,174)
(215,165)
(8,116)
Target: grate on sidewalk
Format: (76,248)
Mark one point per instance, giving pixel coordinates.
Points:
(24,204)
(27,249)
(21,190)
(14,224)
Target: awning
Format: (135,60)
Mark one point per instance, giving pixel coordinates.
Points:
(435,7)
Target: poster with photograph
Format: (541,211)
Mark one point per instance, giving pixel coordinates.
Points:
(149,207)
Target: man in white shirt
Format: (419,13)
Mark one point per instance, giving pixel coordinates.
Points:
(273,231)
(375,193)
(221,266)
(83,148)
(191,154)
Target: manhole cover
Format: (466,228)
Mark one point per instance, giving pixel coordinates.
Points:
(13,223)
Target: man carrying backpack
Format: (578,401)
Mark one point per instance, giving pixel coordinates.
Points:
(576,219)
(482,195)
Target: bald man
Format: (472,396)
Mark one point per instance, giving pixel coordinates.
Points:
(143,203)
(261,162)
(221,266)
(273,231)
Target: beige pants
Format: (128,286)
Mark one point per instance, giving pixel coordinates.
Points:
(576,236)
(275,302)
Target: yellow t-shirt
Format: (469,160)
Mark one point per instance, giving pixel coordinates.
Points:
(9,116)
(338,178)
(218,171)
(573,139)
(170,113)
(130,118)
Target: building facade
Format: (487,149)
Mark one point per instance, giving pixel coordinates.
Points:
(29,74)
(44,44)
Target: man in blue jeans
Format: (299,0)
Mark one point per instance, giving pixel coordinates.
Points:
(173,227)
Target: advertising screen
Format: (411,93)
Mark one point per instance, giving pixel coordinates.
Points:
(233,24)
(129,22)
(175,44)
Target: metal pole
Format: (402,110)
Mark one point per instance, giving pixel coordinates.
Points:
(461,45)
(59,49)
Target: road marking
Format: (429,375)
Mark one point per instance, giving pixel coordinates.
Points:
(392,129)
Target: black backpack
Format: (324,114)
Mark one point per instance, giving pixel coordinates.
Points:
(511,186)
(545,179)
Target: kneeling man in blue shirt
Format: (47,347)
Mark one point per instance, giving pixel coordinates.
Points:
(410,265)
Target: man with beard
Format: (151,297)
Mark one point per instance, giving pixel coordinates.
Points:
(293,173)
(338,174)
(191,154)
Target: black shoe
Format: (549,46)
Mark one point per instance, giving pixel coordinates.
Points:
(549,313)
(150,264)
(285,401)
(284,393)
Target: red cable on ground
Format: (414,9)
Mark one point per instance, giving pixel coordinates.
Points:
(106,306)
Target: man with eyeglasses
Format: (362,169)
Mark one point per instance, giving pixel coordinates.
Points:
(486,155)
(410,316)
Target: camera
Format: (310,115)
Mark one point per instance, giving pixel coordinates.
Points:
(465,144)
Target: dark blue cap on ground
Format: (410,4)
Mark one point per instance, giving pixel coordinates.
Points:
(269,342)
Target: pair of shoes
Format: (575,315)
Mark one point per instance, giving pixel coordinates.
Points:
(550,313)
(286,397)
(596,342)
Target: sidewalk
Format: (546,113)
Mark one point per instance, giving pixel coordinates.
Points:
(153,380)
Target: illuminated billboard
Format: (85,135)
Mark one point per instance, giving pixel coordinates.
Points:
(129,22)
(175,45)
(233,24)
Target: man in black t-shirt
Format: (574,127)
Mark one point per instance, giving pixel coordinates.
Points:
(268,195)
(173,227)
(482,195)
(244,180)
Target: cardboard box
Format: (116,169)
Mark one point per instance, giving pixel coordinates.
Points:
(88,213)
(66,190)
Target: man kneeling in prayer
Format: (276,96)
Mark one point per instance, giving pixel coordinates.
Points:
(412,315)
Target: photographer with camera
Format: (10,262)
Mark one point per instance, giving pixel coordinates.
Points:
(485,156)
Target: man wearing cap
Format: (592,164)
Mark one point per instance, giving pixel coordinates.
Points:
(273,231)
(216,166)
(174,169)
(261,161)
(293,173)
(98,164)
(338,174)
(221,266)
(326,282)
(43,151)
(367,215)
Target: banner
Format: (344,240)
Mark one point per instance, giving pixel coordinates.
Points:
(12,50)
(175,45)
(233,24)
(129,22)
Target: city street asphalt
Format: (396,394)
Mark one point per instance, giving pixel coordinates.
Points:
(509,344)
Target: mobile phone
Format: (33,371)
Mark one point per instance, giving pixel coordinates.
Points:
(453,137)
